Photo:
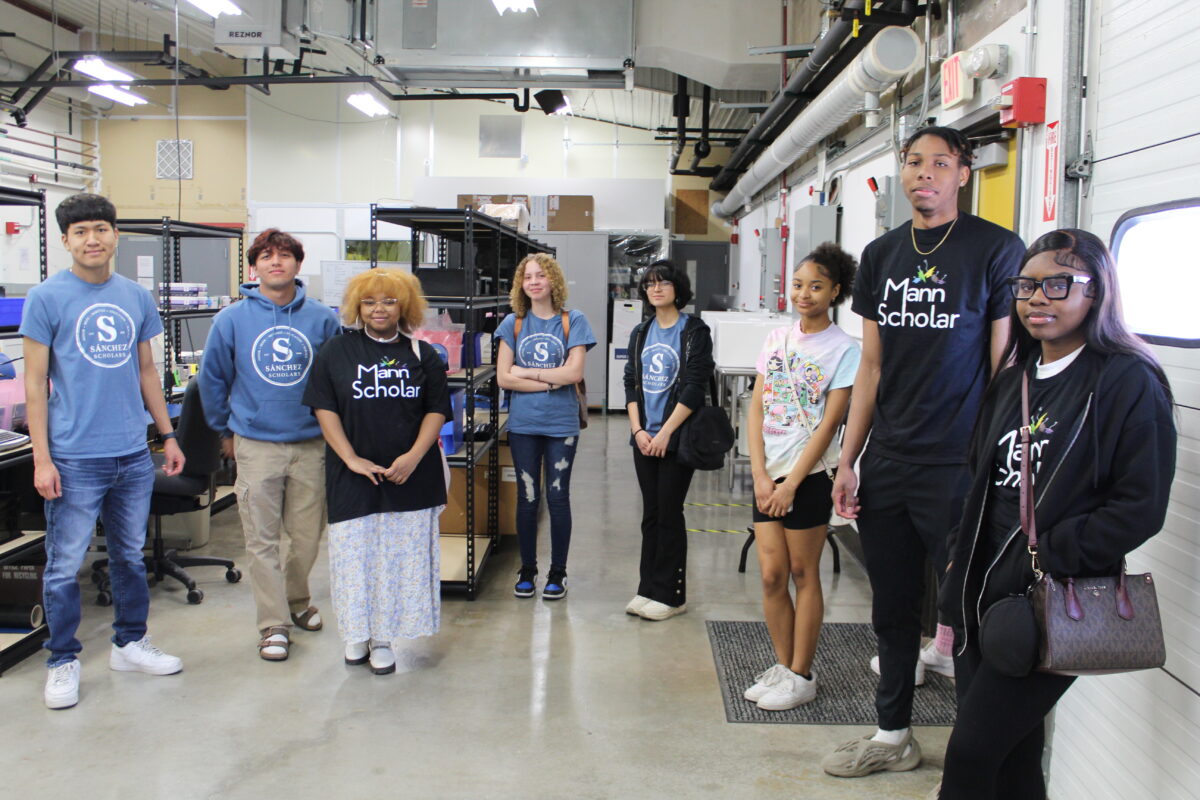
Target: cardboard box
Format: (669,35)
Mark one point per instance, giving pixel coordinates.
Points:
(570,212)
(454,517)
(514,215)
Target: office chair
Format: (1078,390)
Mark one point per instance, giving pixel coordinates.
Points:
(190,490)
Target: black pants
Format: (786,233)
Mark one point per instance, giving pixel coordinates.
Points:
(995,750)
(907,512)
(664,483)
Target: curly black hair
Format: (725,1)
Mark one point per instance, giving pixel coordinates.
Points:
(955,139)
(835,264)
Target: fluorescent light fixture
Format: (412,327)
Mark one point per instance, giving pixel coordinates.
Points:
(512,5)
(99,68)
(118,94)
(563,72)
(368,104)
(215,8)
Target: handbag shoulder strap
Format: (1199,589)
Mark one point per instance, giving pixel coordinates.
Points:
(566,322)
(808,423)
(1028,523)
(517,328)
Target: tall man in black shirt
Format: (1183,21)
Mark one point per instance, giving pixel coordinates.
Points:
(935,304)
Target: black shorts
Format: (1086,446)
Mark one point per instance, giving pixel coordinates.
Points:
(811,507)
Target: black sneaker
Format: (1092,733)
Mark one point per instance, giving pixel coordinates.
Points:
(556,584)
(525,584)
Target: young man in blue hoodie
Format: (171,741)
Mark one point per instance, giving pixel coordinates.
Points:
(255,368)
(88,331)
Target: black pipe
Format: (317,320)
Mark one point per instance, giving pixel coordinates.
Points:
(665,129)
(45,65)
(817,71)
(55,161)
(682,104)
(702,147)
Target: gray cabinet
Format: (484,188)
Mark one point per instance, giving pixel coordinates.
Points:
(583,257)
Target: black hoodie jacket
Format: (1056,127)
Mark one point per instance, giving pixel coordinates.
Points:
(696,343)
(1101,492)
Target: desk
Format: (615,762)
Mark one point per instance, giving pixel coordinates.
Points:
(729,382)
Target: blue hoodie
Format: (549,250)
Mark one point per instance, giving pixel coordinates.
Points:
(256,364)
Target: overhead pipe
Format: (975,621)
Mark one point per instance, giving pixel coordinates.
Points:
(702,147)
(892,54)
(682,107)
(827,59)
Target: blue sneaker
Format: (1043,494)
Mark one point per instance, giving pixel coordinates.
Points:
(556,584)
(525,584)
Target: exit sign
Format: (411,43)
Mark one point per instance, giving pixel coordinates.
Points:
(957,86)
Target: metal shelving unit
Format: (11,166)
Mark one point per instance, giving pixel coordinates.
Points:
(490,253)
(171,233)
(15,647)
(36,199)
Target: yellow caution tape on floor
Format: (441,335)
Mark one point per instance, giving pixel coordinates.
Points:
(719,505)
(711,530)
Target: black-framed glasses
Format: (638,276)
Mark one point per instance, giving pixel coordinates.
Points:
(659,284)
(1056,287)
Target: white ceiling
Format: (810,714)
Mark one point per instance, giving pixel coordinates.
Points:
(141,24)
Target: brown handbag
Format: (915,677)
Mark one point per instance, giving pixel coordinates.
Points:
(1088,626)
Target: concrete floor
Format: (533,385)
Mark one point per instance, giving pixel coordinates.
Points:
(512,697)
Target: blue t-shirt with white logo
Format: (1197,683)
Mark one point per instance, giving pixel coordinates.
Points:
(660,369)
(541,346)
(93,331)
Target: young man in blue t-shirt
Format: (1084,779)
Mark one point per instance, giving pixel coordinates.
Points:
(88,331)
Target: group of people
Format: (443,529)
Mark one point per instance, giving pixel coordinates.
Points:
(344,423)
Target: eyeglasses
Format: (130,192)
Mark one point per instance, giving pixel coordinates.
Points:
(660,284)
(388,302)
(1056,287)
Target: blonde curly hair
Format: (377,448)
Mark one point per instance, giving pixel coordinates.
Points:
(558,284)
(384,282)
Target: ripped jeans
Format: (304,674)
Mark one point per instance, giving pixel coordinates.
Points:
(558,453)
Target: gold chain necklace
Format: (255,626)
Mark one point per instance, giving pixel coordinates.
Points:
(913,232)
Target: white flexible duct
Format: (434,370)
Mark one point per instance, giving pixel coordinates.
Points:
(892,54)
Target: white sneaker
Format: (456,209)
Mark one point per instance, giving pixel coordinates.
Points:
(141,656)
(357,652)
(933,659)
(918,675)
(383,660)
(764,682)
(62,685)
(634,607)
(656,611)
(793,690)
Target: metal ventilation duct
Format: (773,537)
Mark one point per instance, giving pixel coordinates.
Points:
(890,55)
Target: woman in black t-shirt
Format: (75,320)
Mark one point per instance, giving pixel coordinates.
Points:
(1102,458)
(381,399)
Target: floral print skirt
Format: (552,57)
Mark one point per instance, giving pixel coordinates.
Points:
(385,576)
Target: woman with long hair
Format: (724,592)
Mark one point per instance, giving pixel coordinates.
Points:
(542,346)
(669,367)
(1102,459)
(381,399)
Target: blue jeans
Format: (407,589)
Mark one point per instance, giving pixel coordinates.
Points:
(117,490)
(558,453)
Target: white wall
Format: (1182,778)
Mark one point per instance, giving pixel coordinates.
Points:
(316,163)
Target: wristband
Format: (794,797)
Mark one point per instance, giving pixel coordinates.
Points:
(171,435)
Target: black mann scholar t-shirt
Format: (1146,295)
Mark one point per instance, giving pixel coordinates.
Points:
(934,314)
(381,392)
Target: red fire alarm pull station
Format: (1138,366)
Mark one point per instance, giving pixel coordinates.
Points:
(12,228)
(1023,102)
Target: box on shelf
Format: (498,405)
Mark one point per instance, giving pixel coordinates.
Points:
(570,212)
(454,517)
(478,201)
(514,215)
(21,584)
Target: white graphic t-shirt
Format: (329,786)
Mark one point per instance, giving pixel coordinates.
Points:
(93,331)
(820,362)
